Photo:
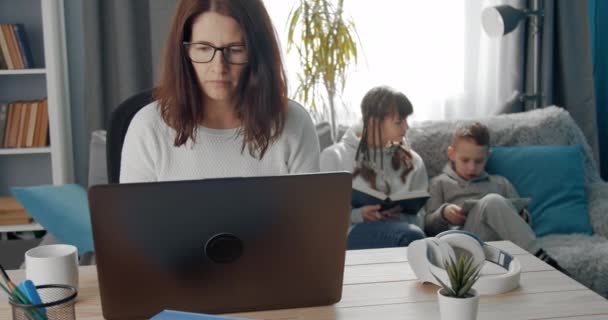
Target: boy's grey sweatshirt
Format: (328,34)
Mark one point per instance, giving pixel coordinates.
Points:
(448,188)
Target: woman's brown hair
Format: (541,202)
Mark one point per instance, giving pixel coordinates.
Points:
(261,101)
(378,104)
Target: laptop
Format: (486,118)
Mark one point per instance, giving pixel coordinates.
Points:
(220,245)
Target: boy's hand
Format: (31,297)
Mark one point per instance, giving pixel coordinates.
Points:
(453,214)
(371,213)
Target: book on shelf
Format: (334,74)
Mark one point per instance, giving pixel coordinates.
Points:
(14,47)
(24,46)
(9,114)
(26,220)
(44,125)
(3,116)
(26,124)
(15,218)
(4,50)
(10,204)
(11,212)
(410,201)
(14,122)
(2,61)
(31,125)
(23,121)
(12,125)
(7,30)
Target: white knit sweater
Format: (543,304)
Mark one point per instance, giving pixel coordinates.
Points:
(148,153)
(341,157)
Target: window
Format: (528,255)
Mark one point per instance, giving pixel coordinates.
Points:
(416,47)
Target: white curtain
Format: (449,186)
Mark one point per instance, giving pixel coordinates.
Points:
(494,75)
(434,51)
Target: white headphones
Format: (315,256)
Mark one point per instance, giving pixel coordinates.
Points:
(429,254)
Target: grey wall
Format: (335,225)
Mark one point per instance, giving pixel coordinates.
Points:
(75,52)
(88,68)
(161,12)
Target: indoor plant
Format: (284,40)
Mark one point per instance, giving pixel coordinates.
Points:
(325,42)
(458,300)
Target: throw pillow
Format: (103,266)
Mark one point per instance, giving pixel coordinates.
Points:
(61,210)
(553,176)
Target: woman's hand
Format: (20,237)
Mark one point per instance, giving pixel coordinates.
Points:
(453,214)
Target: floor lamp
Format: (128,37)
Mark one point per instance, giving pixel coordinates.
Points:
(500,20)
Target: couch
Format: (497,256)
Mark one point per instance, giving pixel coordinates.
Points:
(584,256)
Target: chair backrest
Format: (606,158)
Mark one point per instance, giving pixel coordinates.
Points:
(119,124)
(324,133)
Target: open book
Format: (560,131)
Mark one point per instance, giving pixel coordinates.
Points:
(410,201)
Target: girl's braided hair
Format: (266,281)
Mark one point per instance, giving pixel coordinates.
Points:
(378,104)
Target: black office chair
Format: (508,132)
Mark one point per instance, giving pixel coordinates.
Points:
(119,123)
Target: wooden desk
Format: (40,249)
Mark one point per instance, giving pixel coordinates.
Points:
(379,284)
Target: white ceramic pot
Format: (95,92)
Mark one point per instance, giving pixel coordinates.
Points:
(452,308)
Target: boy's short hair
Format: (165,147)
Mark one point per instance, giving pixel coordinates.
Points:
(475,132)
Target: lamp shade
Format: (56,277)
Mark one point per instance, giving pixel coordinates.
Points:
(500,20)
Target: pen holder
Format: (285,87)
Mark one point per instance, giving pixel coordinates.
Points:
(57,304)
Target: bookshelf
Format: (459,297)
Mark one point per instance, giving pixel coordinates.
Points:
(43,21)
(21,227)
(22,71)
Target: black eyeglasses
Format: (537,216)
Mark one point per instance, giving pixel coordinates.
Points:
(201,52)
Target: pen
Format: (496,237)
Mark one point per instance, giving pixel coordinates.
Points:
(17,296)
(7,279)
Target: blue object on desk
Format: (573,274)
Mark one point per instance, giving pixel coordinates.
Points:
(179,315)
(61,210)
(28,288)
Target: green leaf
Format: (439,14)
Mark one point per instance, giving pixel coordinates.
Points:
(326,49)
(445,286)
(294,18)
(462,273)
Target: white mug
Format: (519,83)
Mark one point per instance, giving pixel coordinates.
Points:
(52,264)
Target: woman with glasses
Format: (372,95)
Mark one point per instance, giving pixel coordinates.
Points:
(221,104)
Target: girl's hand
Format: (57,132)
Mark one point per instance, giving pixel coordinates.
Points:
(392,213)
(453,214)
(371,213)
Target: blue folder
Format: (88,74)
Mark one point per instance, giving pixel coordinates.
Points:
(179,315)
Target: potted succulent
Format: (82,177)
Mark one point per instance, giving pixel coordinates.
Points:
(458,300)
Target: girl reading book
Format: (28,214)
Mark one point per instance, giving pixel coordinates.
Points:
(376,152)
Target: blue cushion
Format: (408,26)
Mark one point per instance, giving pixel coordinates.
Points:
(61,210)
(553,176)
